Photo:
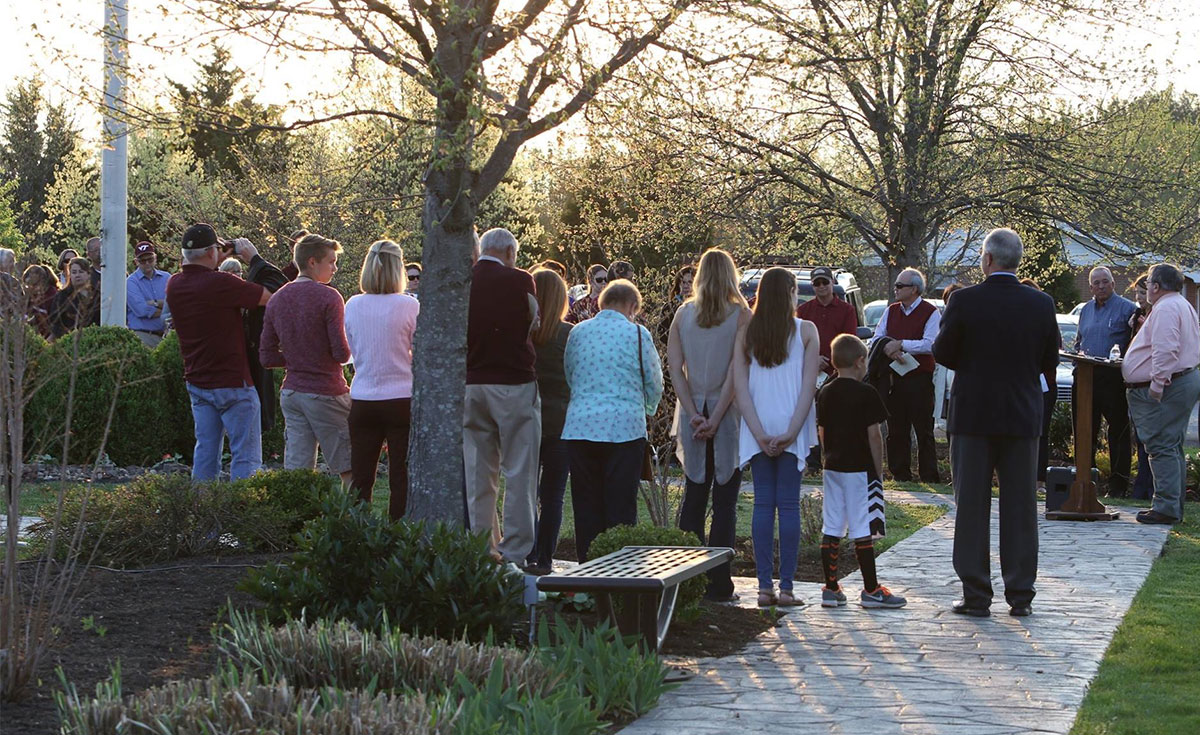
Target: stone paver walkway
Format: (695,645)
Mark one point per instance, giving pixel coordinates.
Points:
(924,669)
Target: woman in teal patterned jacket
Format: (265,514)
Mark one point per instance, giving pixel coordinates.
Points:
(616,380)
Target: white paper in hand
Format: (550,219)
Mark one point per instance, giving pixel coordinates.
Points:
(904,364)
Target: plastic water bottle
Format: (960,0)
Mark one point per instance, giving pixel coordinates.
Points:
(1115,353)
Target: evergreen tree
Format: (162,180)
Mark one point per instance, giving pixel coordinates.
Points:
(31,152)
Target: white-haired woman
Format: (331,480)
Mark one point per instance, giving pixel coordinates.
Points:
(380,323)
(615,377)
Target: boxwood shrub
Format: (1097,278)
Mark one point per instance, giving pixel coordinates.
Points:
(355,565)
(687,605)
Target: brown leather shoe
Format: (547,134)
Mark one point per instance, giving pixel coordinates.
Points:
(1152,517)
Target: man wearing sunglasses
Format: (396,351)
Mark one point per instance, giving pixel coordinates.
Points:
(413,272)
(588,306)
(912,324)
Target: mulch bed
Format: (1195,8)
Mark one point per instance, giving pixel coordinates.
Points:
(157,622)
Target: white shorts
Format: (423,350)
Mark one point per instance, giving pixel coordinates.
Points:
(845,504)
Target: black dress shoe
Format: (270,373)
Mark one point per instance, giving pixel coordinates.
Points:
(1154,517)
(1020,611)
(962,608)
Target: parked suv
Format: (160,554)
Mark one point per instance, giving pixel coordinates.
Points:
(845,286)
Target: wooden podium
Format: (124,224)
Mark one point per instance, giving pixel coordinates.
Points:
(1081,504)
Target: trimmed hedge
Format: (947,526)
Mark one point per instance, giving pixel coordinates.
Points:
(108,358)
(153,415)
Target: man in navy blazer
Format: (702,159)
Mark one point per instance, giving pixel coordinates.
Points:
(998,337)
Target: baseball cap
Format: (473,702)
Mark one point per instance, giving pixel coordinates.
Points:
(821,271)
(200,236)
(143,248)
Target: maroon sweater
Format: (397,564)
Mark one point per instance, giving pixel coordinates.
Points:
(499,350)
(303,331)
(911,326)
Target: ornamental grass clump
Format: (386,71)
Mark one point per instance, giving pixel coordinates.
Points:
(233,702)
(325,653)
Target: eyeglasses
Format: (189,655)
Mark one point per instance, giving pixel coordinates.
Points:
(820,282)
(903,285)
(600,279)
(414,276)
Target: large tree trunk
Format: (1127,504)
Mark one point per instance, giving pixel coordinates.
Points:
(435,459)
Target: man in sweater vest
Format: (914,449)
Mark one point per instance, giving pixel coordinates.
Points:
(304,331)
(502,414)
(912,324)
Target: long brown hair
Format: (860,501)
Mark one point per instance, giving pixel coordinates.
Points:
(774,320)
(552,303)
(716,288)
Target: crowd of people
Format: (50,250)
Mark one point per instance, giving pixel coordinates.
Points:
(559,387)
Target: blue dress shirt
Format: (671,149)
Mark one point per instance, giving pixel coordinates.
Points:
(138,290)
(1102,326)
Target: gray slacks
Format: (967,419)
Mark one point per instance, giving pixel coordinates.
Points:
(1161,427)
(1014,461)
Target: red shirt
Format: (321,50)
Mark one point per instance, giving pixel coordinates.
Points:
(836,318)
(206,306)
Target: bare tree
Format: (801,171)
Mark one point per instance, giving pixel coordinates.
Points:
(900,119)
(497,79)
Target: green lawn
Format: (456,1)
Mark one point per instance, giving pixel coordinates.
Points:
(1149,680)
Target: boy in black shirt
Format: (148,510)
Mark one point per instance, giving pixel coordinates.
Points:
(849,414)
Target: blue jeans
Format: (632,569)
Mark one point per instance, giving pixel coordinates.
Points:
(776,489)
(220,411)
(555,465)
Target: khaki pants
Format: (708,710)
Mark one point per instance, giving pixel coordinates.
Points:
(502,430)
(310,419)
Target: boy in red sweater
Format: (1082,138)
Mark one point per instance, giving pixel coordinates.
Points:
(303,331)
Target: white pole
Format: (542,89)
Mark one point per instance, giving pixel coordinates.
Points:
(114,239)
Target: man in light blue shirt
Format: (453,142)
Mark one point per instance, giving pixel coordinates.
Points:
(1104,322)
(145,296)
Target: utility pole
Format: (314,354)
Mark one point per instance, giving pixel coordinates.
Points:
(114,239)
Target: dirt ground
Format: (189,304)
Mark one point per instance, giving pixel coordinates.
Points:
(157,621)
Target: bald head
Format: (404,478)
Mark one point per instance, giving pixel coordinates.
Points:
(93,251)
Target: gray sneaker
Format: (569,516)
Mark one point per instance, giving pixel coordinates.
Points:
(881,598)
(832,598)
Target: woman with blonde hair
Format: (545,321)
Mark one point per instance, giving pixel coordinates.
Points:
(776,360)
(550,344)
(380,323)
(700,355)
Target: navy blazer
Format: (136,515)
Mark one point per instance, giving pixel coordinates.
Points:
(998,337)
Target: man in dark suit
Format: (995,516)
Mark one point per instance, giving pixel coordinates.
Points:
(998,337)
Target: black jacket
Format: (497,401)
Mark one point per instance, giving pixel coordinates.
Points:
(879,373)
(998,337)
(272,279)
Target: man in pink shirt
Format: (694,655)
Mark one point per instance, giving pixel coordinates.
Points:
(304,331)
(1163,387)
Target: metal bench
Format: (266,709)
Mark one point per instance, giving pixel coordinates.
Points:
(645,578)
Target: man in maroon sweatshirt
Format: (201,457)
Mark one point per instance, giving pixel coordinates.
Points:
(303,331)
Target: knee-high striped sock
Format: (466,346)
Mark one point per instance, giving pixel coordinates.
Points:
(830,547)
(864,549)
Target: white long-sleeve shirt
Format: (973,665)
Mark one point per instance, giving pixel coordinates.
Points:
(923,346)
